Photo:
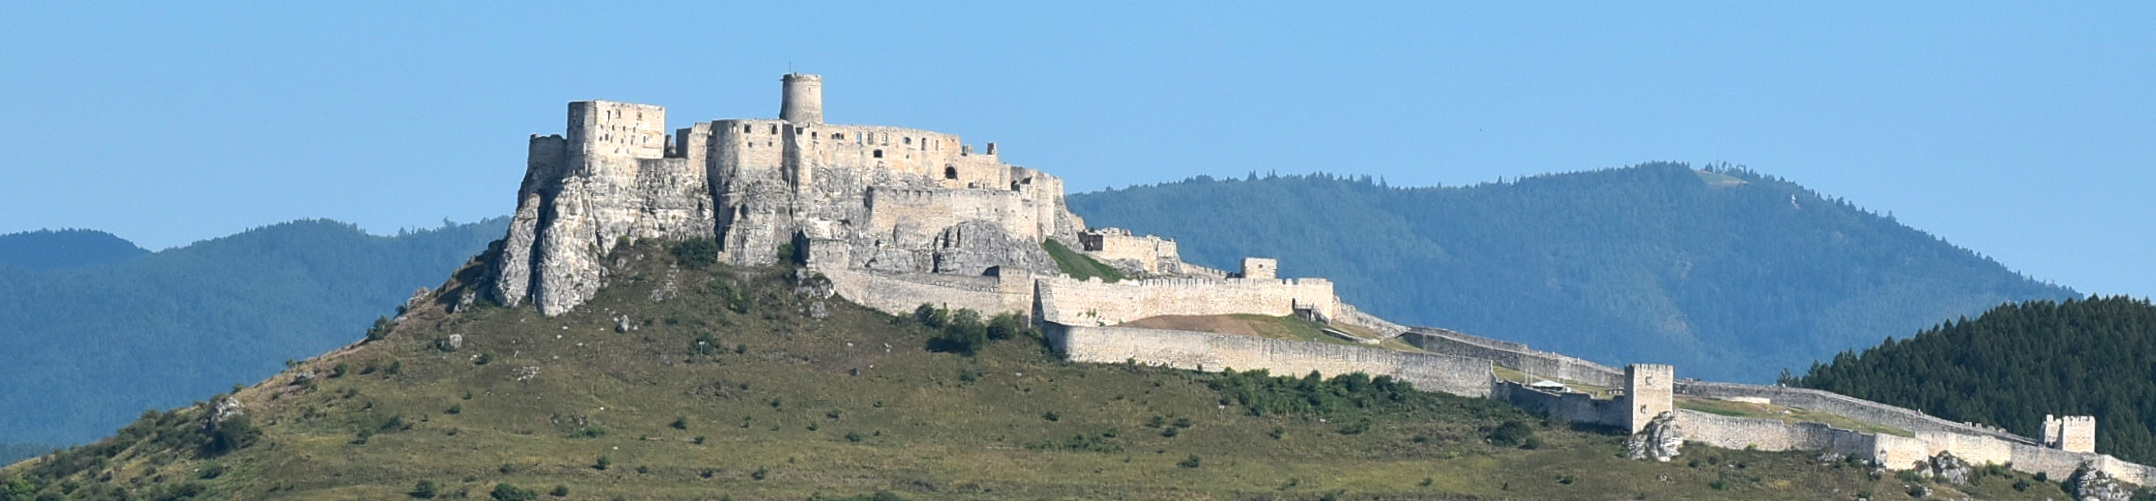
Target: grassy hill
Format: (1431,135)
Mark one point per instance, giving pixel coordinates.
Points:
(1726,273)
(2016,363)
(89,346)
(724,387)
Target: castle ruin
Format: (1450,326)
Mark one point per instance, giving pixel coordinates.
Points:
(897,217)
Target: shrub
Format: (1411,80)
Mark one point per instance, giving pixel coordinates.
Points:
(1511,433)
(424,490)
(1008,325)
(560,491)
(234,433)
(380,330)
(680,423)
(1191,462)
(1051,416)
(602,464)
(697,253)
(506,492)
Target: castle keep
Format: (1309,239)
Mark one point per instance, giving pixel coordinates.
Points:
(896,217)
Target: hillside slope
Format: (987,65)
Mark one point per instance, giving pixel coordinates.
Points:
(721,385)
(2017,363)
(50,249)
(90,347)
(1728,274)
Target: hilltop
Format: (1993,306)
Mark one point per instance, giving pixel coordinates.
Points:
(89,347)
(1731,274)
(680,381)
(2018,363)
(70,248)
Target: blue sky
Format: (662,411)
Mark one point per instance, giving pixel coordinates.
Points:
(2022,132)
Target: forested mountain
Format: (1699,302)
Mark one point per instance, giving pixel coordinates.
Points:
(89,347)
(1727,273)
(50,249)
(2017,363)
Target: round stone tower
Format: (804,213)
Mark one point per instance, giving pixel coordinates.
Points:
(803,103)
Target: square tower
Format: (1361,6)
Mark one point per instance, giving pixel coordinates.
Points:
(1649,391)
(1260,267)
(2070,433)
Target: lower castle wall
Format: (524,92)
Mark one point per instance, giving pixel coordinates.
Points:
(1092,302)
(1835,403)
(1569,407)
(1214,352)
(1515,356)
(901,293)
(1730,432)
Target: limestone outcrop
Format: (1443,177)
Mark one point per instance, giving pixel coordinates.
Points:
(1661,440)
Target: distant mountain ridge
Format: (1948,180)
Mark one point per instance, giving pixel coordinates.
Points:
(1727,273)
(68,248)
(90,346)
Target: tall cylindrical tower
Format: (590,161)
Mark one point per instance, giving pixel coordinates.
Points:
(803,102)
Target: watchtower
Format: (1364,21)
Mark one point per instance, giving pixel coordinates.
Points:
(2070,433)
(1649,390)
(803,100)
(1259,267)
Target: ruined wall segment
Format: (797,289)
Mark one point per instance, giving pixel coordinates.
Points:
(1514,356)
(1093,302)
(2070,433)
(1648,393)
(1215,352)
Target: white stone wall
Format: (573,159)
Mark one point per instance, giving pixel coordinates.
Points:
(1730,432)
(900,293)
(1215,352)
(1515,356)
(1093,302)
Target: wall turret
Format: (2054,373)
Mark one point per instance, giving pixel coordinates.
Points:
(1649,391)
(803,101)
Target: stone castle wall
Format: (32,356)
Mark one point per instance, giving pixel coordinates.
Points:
(1731,432)
(1093,302)
(1147,253)
(900,293)
(1215,352)
(1570,407)
(1514,356)
(1834,403)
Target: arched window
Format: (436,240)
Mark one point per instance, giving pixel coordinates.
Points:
(950,172)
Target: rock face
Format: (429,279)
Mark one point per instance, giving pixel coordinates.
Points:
(863,197)
(1947,468)
(1662,439)
(2095,485)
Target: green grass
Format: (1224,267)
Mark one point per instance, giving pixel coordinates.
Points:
(1077,264)
(788,408)
(1786,415)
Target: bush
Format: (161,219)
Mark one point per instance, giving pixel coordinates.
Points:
(425,490)
(235,433)
(1009,325)
(506,492)
(602,464)
(1511,433)
(680,423)
(962,330)
(697,253)
(1191,462)
(560,491)
(380,330)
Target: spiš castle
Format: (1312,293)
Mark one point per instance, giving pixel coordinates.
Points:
(895,217)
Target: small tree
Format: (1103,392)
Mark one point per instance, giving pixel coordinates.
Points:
(425,490)
(505,492)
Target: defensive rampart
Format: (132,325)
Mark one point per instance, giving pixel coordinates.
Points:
(899,293)
(1093,302)
(1214,352)
(1730,432)
(1835,403)
(1569,406)
(1514,356)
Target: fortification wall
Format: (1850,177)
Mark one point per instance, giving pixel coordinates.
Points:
(900,293)
(1215,352)
(1092,302)
(1151,253)
(612,128)
(1834,403)
(912,218)
(1514,356)
(1569,407)
(1730,432)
